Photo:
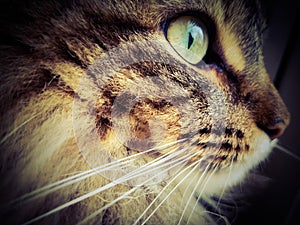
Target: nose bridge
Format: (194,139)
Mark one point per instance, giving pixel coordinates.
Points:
(280,109)
(271,114)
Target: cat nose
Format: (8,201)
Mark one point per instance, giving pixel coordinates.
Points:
(275,130)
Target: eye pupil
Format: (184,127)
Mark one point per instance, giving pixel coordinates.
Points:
(190,40)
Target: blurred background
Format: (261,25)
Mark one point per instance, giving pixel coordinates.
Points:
(279,202)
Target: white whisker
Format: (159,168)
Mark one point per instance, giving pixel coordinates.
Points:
(120,180)
(184,194)
(17,128)
(195,164)
(220,216)
(203,189)
(161,160)
(287,151)
(225,184)
(127,193)
(193,192)
(83,175)
(65,182)
(72,202)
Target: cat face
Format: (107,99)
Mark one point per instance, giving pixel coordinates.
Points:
(219,96)
(168,102)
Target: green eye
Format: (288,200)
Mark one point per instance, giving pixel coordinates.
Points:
(188,36)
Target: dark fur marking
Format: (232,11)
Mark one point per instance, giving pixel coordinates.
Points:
(144,69)
(199,94)
(234,158)
(204,131)
(226,146)
(180,82)
(103,124)
(161,103)
(247,147)
(222,158)
(237,148)
(229,131)
(247,97)
(109,218)
(73,57)
(108,93)
(50,79)
(234,87)
(239,134)
(201,144)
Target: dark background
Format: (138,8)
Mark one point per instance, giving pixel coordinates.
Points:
(279,202)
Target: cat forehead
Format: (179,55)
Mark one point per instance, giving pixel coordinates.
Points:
(151,12)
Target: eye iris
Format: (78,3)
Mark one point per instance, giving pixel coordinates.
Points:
(188,37)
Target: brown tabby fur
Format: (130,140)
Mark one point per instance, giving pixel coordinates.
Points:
(47,47)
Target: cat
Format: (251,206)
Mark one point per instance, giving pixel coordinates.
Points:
(131,112)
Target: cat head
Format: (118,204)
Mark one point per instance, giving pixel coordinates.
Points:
(182,71)
(173,82)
